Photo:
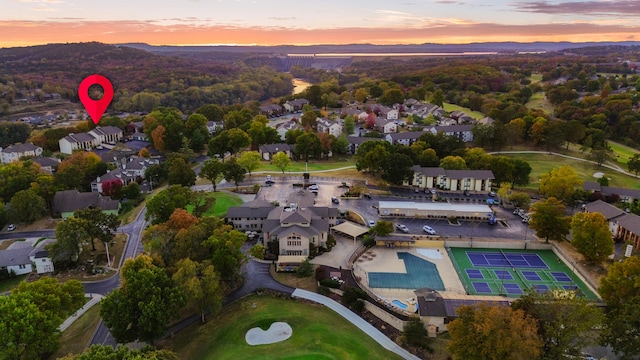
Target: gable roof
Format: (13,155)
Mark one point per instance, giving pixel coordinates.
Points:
(607,210)
(20,148)
(72,200)
(78,138)
(106,130)
(274,148)
(631,222)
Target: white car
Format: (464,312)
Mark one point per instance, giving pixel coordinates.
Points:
(372,223)
(429,230)
(313,187)
(11,227)
(402,228)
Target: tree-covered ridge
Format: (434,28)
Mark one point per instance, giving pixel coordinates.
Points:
(141,80)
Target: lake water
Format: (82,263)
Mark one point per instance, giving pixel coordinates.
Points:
(299,86)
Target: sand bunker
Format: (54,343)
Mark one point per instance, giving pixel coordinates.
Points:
(430,253)
(598,175)
(278,331)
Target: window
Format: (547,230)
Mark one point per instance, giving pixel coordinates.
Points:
(294,243)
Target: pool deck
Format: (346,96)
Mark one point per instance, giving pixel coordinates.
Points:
(386,260)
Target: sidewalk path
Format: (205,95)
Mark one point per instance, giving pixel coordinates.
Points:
(356,320)
(94,299)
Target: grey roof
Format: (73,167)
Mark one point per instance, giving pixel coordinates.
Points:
(298,216)
(430,303)
(430,171)
(20,148)
(77,138)
(406,135)
(630,222)
(303,198)
(591,186)
(256,208)
(607,210)
(13,257)
(72,200)
(106,130)
(274,148)
(634,193)
(476,174)
(454,128)
(46,161)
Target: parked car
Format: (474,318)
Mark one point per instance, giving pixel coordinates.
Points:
(367,195)
(492,193)
(335,200)
(313,187)
(11,227)
(372,223)
(429,230)
(402,228)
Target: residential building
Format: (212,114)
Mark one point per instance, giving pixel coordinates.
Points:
(624,227)
(385,126)
(81,141)
(286,126)
(462,132)
(15,152)
(295,105)
(453,180)
(107,134)
(404,138)
(328,126)
(66,202)
(132,169)
(626,195)
(215,126)
(20,258)
(355,141)
(47,164)
(267,151)
(271,110)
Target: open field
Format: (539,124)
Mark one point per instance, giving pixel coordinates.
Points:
(77,336)
(542,163)
(224,200)
(622,153)
(300,166)
(318,333)
(537,101)
(453,107)
(535,78)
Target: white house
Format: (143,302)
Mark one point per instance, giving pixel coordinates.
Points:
(81,141)
(21,257)
(385,126)
(328,126)
(107,134)
(282,128)
(15,152)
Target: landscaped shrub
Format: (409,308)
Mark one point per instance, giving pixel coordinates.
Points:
(353,297)
(257,251)
(369,241)
(305,269)
(331,242)
(330,283)
(323,290)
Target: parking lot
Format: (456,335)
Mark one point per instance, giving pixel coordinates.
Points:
(510,226)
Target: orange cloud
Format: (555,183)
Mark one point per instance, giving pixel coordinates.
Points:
(23,33)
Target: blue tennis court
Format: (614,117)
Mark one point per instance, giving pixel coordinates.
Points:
(503,275)
(513,289)
(531,276)
(482,287)
(560,276)
(540,288)
(501,259)
(474,274)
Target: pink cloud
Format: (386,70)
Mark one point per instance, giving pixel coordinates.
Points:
(23,33)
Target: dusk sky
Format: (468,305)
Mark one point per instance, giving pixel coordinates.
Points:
(306,22)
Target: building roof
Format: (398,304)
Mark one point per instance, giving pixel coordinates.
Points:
(20,148)
(14,257)
(435,206)
(430,171)
(607,210)
(303,198)
(257,208)
(406,135)
(351,229)
(274,148)
(46,161)
(78,138)
(477,174)
(107,130)
(72,200)
(630,222)
(360,139)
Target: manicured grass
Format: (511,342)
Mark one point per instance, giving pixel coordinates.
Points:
(8,284)
(75,339)
(224,200)
(300,166)
(622,153)
(318,333)
(453,107)
(535,78)
(543,163)
(537,102)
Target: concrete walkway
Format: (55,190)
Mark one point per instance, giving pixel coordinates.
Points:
(356,320)
(94,299)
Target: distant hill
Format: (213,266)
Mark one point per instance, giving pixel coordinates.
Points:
(507,47)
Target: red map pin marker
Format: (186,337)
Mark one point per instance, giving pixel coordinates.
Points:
(95,108)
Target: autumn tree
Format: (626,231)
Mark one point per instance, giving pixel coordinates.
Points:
(560,183)
(308,145)
(144,305)
(281,160)
(382,228)
(234,172)
(80,170)
(490,332)
(112,188)
(201,284)
(97,225)
(226,246)
(157,135)
(71,238)
(548,219)
(565,321)
(121,352)
(181,173)
(520,199)
(590,235)
(161,206)
(211,170)
(249,160)
(309,119)
(620,290)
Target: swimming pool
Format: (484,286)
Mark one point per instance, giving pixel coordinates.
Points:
(400,304)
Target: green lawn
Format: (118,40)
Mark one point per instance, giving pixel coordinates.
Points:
(622,153)
(535,78)
(224,200)
(77,336)
(537,102)
(318,333)
(453,107)
(542,163)
(300,166)
(8,284)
